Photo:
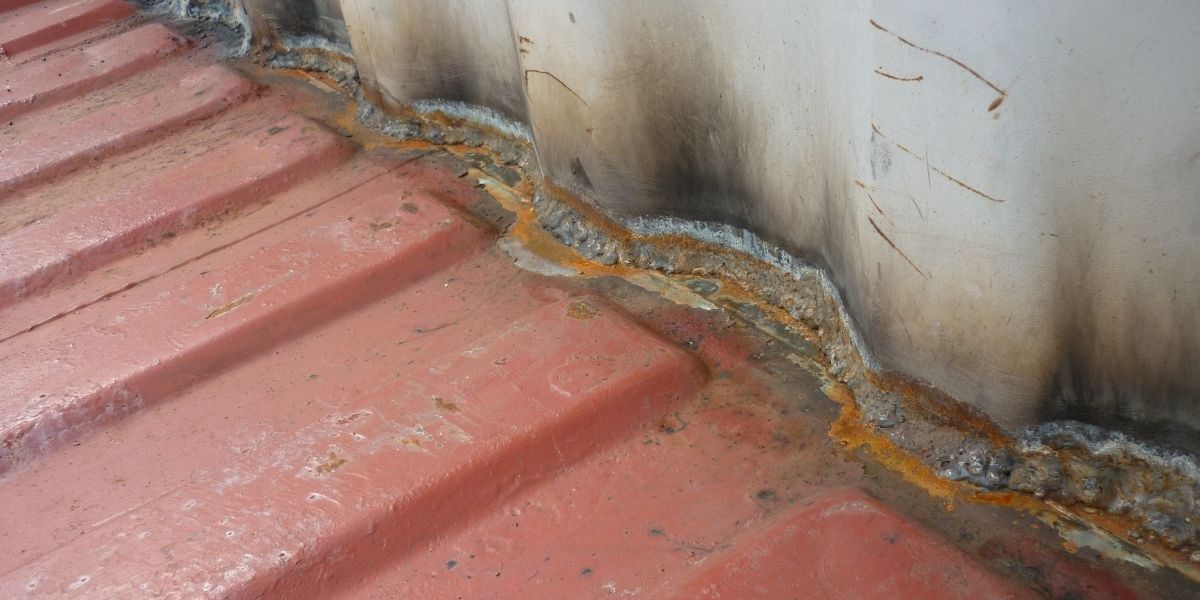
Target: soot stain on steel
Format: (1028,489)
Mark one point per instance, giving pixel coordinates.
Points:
(1112,372)
(693,141)
(299,18)
(457,64)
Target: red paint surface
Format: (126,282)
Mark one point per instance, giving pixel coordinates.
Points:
(41,24)
(59,149)
(845,545)
(109,225)
(242,358)
(76,72)
(112,359)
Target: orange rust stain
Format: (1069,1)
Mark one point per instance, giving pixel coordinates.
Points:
(581,311)
(444,404)
(939,406)
(852,432)
(330,463)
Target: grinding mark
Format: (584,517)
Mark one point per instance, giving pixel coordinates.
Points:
(928,178)
(948,176)
(555,78)
(880,71)
(880,210)
(873,202)
(897,249)
(995,103)
(915,205)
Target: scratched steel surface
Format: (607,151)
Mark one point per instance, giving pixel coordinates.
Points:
(243,356)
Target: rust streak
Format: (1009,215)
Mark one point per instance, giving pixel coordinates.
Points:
(948,176)
(995,103)
(897,249)
(880,71)
(554,77)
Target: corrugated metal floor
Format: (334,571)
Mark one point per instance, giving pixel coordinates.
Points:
(244,356)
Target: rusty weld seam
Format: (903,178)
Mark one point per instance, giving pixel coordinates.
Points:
(554,77)
(880,71)
(995,103)
(896,248)
(952,178)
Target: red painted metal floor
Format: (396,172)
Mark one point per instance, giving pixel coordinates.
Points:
(243,356)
